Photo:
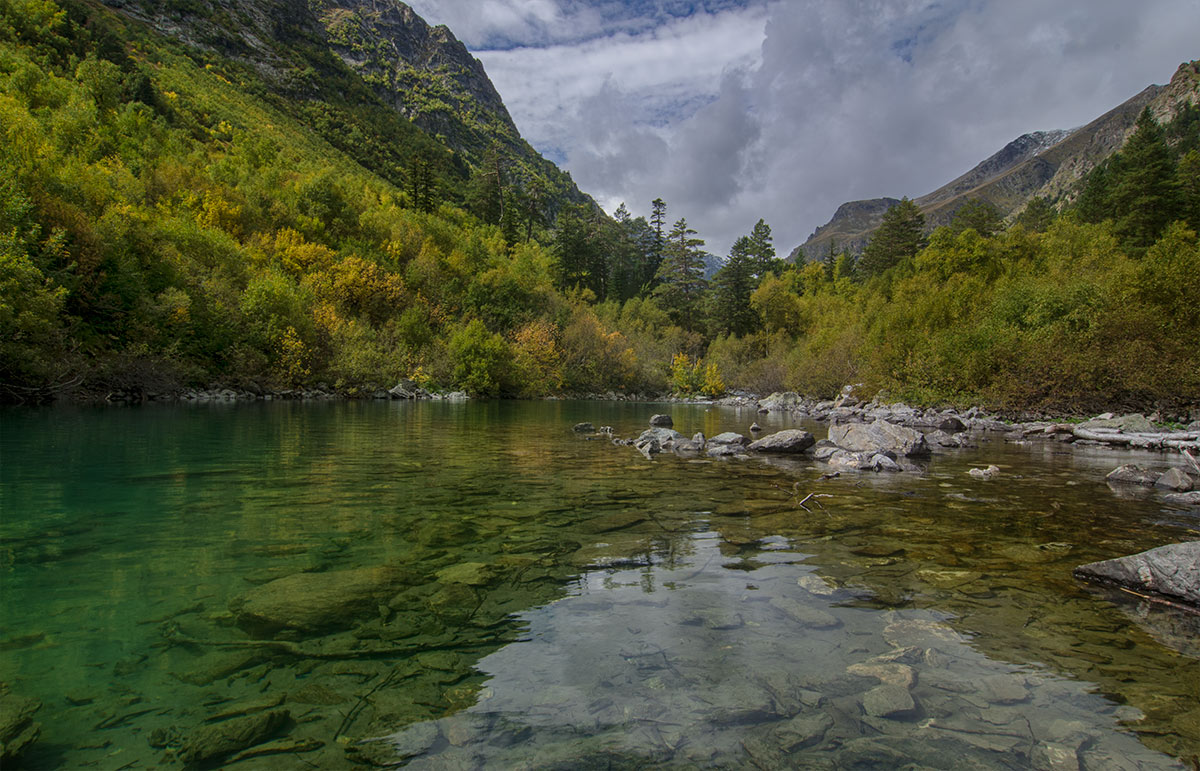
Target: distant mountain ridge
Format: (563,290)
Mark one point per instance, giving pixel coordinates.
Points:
(1042,163)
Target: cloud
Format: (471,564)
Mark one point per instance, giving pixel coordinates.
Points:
(736,111)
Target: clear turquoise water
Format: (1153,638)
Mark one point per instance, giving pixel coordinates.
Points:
(556,602)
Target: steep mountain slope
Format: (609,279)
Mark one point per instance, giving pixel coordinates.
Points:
(340,64)
(1044,163)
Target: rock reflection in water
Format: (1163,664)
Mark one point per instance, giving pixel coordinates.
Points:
(720,667)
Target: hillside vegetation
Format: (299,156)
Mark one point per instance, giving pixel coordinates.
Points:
(169,218)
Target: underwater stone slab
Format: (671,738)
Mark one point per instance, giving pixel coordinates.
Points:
(888,701)
(17,729)
(805,615)
(1130,474)
(1172,571)
(311,602)
(211,743)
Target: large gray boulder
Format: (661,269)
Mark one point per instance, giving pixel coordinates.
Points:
(1171,571)
(666,437)
(792,440)
(780,402)
(729,437)
(1176,480)
(880,436)
(1130,424)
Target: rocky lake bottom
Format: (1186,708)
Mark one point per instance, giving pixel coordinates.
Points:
(473,585)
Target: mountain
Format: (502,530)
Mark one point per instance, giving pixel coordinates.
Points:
(340,63)
(1043,163)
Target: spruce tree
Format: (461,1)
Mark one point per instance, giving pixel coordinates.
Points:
(733,286)
(899,237)
(761,249)
(681,275)
(1145,195)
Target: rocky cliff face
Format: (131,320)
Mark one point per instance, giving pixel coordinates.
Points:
(1044,163)
(423,72)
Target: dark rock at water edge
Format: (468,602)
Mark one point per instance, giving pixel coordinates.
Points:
(1171,571)
(661,421)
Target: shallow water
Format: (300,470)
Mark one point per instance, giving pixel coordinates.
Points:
(545,601)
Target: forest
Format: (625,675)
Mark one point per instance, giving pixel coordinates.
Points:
(166,221)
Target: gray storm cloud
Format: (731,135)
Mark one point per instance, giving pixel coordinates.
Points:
(786,109)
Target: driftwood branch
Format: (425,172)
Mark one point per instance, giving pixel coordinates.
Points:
(1183,440)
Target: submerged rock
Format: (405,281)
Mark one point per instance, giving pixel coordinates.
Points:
(792,440)
(584,428)
(886,700)
(1171,571)
(1130,474)
(985,473)
(879,436)
(212,743)
(17,729)
(311,602)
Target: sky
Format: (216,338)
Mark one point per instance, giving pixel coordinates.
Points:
(735,110)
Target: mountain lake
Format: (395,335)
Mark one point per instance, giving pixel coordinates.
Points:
(472,585)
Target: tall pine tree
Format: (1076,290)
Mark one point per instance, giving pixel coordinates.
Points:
(899,237)
(733,285)
(1144,197)
(681,275)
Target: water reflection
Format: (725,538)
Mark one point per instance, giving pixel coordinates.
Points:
(545,599)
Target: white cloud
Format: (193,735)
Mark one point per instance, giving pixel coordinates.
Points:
(784,111)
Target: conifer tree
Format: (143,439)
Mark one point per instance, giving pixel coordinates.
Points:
(762,249)
(981,216)
(1145,195)
(899,237)
(658,222)
(733,285)
(681,275)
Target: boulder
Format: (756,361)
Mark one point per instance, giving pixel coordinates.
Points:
(724,450)
(1183,499)
(985,473)
(687,446)
(665,437)
(792,440)
(1130,424)
(729,437)
(584,428)
(1171,571)
(824,449)
(1176,480)
(862,461)
(405,389)
(17,729)
(1130,474)
(311,602)
(661,421)
(879,436)
(780,402)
